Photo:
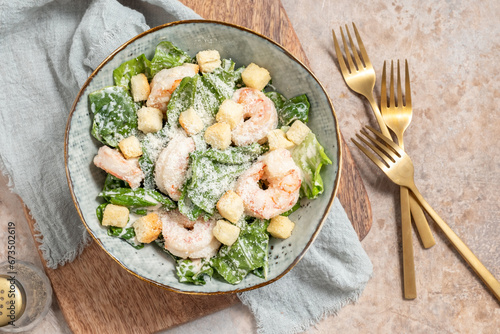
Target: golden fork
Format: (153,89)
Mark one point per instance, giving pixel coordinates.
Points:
(361,79)
(397,118)
(397,165)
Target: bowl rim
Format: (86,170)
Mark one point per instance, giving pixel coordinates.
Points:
(288,54)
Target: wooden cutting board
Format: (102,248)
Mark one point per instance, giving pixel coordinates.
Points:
(97,296)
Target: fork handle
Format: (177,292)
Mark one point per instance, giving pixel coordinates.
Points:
(378,115)
(483,273)
(409,282)
(421,223)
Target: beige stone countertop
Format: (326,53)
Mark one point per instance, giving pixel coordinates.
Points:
(453,49)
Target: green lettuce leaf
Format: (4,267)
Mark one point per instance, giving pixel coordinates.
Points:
(296,108)
(137,198)
(188,208)
(168,55)
(115,115)
(224,79)
(277,98)
(146,162)
(187,270)
(248,253)
(181,99)
(123,73)
(210,180)
(310,157)
(118,232)
(235,155)
(193,271)
(112,182)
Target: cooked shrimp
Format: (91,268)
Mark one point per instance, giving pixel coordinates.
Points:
(113,162)
(172,165)
(165,82)
(259,113)
(188,239)
(282,177)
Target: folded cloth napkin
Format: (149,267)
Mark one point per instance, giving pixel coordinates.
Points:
(49,48)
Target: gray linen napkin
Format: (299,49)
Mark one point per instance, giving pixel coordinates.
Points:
(49,48)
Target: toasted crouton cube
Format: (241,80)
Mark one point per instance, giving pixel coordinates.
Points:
(230,206)
(208,60)
(297,132)
(190,121)
(149,119)
(147,228)
(280,227)
(277,139)
(230,112)
(225,232)
(130,147)
(255,76)
(115,215)
(140,87)
(218,135)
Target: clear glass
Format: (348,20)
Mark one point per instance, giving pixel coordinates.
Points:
(38,295)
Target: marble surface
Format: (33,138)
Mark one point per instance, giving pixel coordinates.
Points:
(452,47)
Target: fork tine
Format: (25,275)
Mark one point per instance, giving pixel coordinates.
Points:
(391,87)
(388,141)
(347,52)
(387,159)
(400,92)
(362,49)
(340,57)
(383,92)
(407,86)
(385,150)
(370,155)
(354,51)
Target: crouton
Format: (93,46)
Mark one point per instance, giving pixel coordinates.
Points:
(218,135)
(280,227)
(140,87)
(149,119)
(225,232)
(255,76)
(208,60)
(147,228)
(115,215)
(297,132)
(130,147)
(277,139)
(230,206)
(230,112)
(190,121)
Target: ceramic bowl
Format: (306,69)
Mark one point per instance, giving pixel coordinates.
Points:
(290,77)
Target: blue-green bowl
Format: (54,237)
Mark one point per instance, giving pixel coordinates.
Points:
(290,77)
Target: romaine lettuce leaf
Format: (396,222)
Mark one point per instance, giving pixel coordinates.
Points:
(224,79)
(193,271)
(277,98)
(181,99)
(118,232)
(137,198)
(310,157)
(249,252)
(188,270)
(296,108)
(115,115)
(168,55)
(150,145)
(210,180)
(235,155)
(123,73)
